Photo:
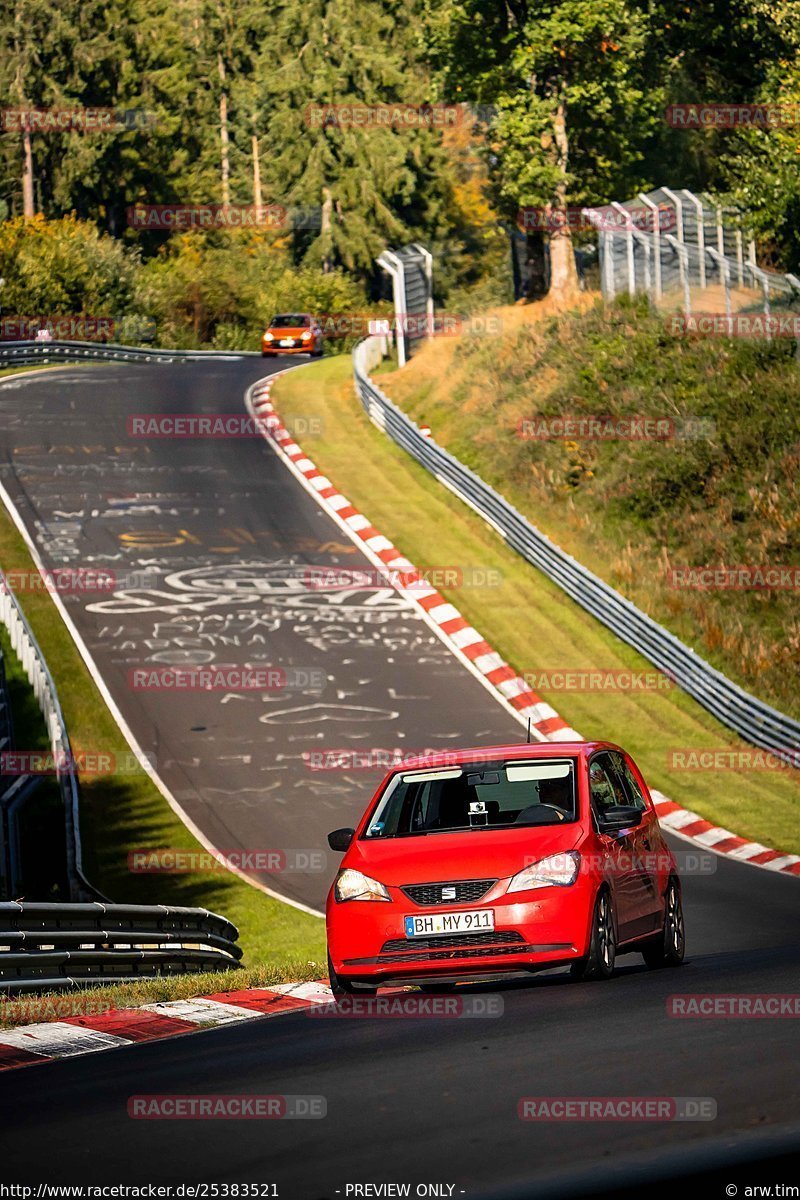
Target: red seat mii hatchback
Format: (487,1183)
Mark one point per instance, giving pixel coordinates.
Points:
(503,860)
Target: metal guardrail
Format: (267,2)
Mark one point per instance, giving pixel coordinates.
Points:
(50,946)
(23,354)
(735,708)
(25,646)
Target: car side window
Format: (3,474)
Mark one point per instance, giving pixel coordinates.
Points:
(605,785)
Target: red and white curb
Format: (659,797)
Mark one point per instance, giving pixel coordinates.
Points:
(472,648)
(27,1045)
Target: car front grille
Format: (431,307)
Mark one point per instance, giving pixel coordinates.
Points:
(467,891)
(461,952)
(450,940)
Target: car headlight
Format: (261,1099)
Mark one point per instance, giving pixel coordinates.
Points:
(559,870)
(353,885)
(307,336)
(268,337)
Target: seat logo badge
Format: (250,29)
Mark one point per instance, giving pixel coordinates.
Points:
(448,893)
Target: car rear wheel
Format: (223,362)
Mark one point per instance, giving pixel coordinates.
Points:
(345,987)
(599,962)
(668,948)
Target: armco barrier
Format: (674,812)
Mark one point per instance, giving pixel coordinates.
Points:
(27,650)
(751,718)
(25,354)
(50,946)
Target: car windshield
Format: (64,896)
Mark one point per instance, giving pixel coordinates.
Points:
(476,796)
(290,321)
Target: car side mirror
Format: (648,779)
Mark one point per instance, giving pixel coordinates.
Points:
(622,816)
(340,839)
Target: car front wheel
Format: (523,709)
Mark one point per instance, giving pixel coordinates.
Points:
(599,962)
(344,987)
(668,948)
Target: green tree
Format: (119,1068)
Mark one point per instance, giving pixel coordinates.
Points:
(567,80)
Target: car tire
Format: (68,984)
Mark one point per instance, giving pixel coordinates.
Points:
(344,987)
(599,962)
(667,950)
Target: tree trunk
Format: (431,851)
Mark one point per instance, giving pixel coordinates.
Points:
(256,178)
(325,229)
(28,207)
(223,134)
(563,275)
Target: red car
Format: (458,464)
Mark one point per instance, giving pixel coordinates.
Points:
(503,860)
(292,333)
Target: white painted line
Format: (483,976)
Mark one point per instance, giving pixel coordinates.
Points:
(677,820)
(778,864)
(710,837)
(489,662)
(122,723)
(442,613)
(358,521)
(539,712)
(513,687)
(315,993)
(466,637)
(749,850)
(54,1039)
(202,1012)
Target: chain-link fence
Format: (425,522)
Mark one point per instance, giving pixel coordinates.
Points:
(687,252)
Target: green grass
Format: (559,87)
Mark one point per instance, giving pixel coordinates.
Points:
(633,510)
(122,812)
(527,619)
(54,1006)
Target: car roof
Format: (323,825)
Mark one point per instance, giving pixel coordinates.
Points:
(517,750)
(290,314)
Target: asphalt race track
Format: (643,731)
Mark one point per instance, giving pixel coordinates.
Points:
(435,1100)
(425,1101)
(222,537)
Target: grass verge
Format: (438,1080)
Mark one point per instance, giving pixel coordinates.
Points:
(55,1006)
(530,621)
(717,490)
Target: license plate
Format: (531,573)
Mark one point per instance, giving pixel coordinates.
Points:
(458,922)
(287,341)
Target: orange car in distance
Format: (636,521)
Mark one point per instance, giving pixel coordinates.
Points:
(292,333)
